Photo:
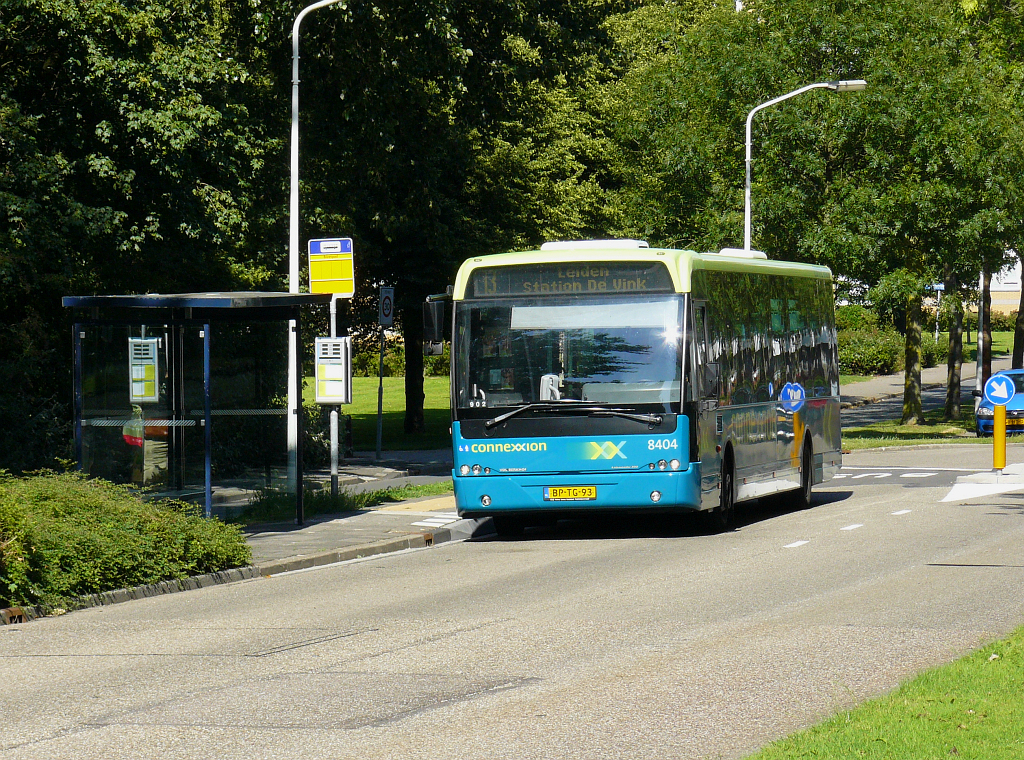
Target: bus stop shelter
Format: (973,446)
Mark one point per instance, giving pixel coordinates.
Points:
(187,395)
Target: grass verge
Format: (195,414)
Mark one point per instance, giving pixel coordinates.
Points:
(273,506)
(63,536)
(970,708)
(934,430)
(363,410)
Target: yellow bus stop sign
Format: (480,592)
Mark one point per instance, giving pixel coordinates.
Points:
(331,268)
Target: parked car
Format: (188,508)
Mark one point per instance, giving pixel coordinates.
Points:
(1014,406)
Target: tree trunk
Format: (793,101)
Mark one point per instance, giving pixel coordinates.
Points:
(986,333)
(913,413)
(412,334)
(1018,331)
(954,361)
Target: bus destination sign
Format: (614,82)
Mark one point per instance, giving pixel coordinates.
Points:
(596,277)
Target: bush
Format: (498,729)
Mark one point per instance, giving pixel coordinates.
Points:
(367,363)
(63,536)
(855,317)
(870,352)
(883,351)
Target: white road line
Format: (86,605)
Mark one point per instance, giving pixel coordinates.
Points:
(918,474)
(435,522)
(901,512)
(917,469)
(839,477)
(795,544)
(853,527)
(865,475)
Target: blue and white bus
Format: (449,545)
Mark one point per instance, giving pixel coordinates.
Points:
(607,375)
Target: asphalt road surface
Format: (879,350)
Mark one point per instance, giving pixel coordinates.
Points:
(639,638)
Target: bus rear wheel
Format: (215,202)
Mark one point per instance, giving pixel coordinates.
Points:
(806,476)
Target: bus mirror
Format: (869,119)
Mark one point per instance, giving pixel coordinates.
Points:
(433,323)
(712,374)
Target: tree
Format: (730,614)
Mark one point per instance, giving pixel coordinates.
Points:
(126,165)
(910,174)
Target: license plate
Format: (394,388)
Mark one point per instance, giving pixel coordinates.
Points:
(570,493)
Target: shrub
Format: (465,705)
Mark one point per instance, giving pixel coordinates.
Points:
(63,536)
(870,352)
(855,317)
(883,351)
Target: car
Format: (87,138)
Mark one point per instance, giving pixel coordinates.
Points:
(1014,407)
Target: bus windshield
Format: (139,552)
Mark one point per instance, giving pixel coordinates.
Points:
(602,350)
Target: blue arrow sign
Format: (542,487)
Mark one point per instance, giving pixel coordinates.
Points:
(792,397)
(999,390)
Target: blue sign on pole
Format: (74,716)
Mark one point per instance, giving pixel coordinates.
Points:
(999,390)
(792,397)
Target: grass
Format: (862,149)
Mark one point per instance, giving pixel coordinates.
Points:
(969,708)
(934,430)
(271,506)
(363,410)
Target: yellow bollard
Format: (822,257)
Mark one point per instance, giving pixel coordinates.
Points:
(999,437)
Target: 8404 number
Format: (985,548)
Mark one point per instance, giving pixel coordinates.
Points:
(655,444)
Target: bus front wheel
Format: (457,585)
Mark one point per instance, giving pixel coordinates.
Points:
(721,517)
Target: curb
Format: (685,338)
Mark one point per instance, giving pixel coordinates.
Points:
(458,532)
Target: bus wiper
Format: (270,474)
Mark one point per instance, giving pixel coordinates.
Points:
(648,419)
(593,411)
(539,405)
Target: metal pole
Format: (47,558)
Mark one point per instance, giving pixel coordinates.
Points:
(979,381)
(334,411)
(293,250)
(380,394)
(842,86)
(999,438)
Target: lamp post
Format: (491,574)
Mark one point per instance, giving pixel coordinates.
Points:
(293,253)
(846,85)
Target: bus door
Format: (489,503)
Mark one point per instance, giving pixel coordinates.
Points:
(705,376)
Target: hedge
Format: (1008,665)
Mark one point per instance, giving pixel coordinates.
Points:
(63,536)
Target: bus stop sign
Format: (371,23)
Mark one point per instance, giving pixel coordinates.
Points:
(999,390)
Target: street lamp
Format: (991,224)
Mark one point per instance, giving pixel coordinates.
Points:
(293,251)
(846,85)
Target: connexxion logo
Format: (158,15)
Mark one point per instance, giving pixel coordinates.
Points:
(606,450)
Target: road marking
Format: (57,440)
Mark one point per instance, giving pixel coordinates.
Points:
(916,469)
(873,475)
(901,512)
(839,477)
(961,491)
(853,527)
(436,522)
(918,474)
(795,544)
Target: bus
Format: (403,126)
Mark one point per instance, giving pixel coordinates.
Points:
(598,376)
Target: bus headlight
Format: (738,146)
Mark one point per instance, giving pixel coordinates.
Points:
(662,464)
(477,469)
(485,500)
(674,464)
(655,496)
(464,470)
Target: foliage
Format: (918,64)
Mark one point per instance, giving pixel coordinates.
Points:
(880,351)
(63,536)
(855,317)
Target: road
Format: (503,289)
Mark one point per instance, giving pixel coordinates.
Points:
(640,638)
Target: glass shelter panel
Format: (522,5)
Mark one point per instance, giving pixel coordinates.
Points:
(248,392)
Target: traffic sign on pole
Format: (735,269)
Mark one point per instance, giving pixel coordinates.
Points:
(386,316)
(999,389)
